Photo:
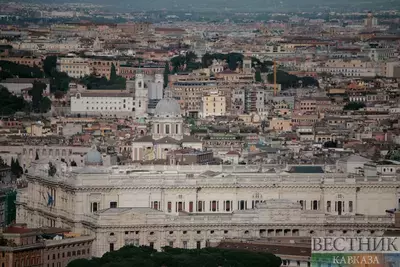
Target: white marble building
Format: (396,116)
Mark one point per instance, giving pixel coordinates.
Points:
(111,103)
(188,206)
(167,134)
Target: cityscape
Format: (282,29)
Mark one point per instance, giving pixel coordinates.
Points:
(210,134)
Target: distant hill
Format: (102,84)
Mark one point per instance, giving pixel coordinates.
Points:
(236,5)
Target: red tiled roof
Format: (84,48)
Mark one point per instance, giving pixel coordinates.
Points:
(233,153)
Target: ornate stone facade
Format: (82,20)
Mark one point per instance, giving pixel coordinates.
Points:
(191,206)
(167,134)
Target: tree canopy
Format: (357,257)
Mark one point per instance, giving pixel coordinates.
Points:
(39,102)
(287,80)
(233,59)
(16,168)
(9,103)
(354,106)
(185,62)
(10,69)
(262,66)
(59,81)
(94,82)
(175,257)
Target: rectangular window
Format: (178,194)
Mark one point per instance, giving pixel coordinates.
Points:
(185,244)
(94,207)
(167,129)
(200,207)
(180,206)
(111,246)
(169,206)
(198,244)
(302,204)
(151,244)
(191,206)
(328,206)
(155,205)
(113,204)
(214,204)
(350,206)
(171,244)
(315,205)
(227,205)
(242,204)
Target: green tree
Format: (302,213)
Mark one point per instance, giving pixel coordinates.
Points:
(190,57)
(12,69)
(9,103)
(45,105)
(258,76)
(354,106)
(59,94)
(16,169)
(37,94)
(166,74)
(285,79)
(169,257)
(233,59)
(2,163)
(50,66)
(113,74)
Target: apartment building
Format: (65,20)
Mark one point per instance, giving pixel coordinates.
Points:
(135,28)
(102,67)
(378,52)
(111,103)
(233,76)
(129,71)
(349,67)
(78,67)
(280,124)
(50,247)
(189,94)
(213,104)
(75,67)
(248,100)
(29,61)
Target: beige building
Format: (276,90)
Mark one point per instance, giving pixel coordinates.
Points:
(349,67)
(213,104)
(75,67)
(280,124)
(190,93)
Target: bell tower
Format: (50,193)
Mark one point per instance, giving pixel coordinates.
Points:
(141,96)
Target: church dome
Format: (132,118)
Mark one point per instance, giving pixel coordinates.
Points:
(93,157)
(168,107)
